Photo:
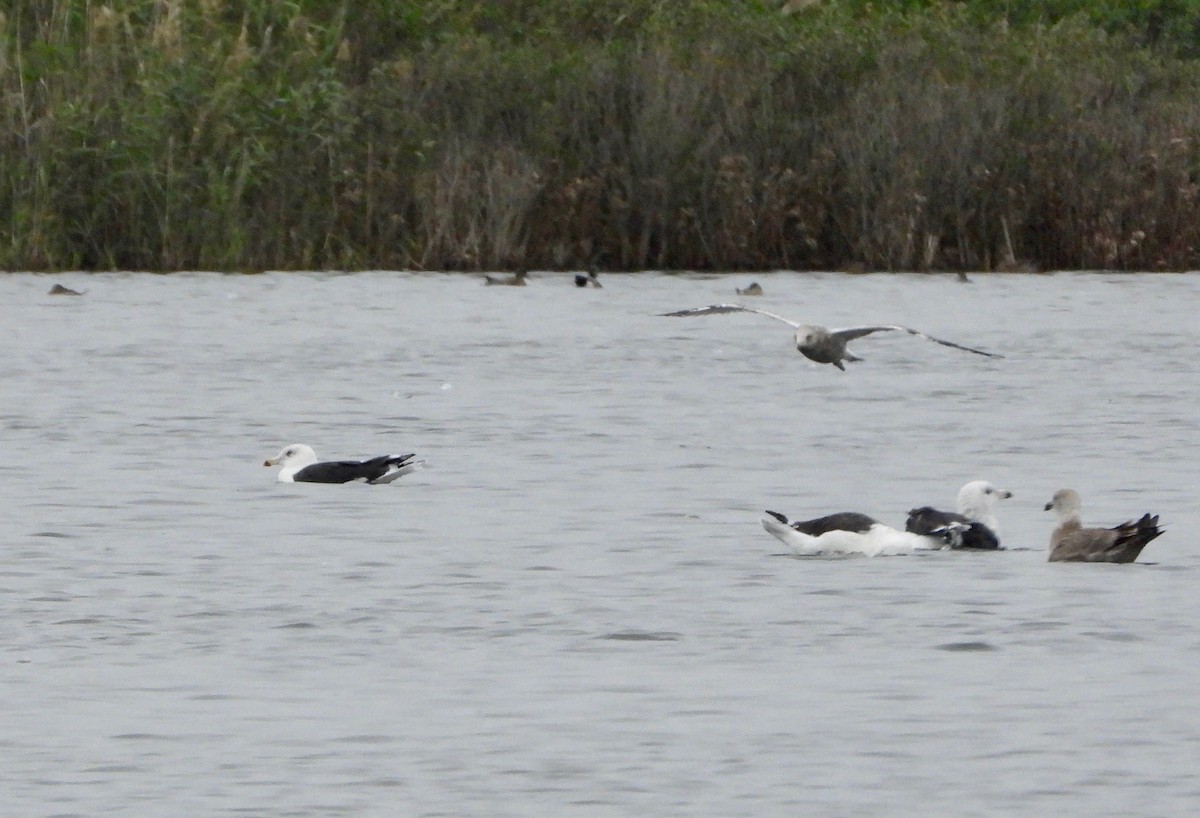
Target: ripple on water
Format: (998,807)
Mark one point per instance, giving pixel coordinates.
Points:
(642,636)
(967,647)
(433,655)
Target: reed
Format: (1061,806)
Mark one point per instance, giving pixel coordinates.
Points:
(629,134)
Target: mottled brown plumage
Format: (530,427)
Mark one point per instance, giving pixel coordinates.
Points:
(1071,542)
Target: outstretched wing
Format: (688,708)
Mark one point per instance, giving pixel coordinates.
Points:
(713,309)
(858,332)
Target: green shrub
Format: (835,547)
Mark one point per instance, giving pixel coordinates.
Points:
(175,134)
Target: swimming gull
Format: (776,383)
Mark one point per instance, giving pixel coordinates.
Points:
(825,346)
(975,510)
(300,465)
(850,532)
(517,279)
(1071,542)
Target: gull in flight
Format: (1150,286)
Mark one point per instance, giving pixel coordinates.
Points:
(825,346)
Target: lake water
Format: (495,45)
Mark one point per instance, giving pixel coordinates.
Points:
(573,610)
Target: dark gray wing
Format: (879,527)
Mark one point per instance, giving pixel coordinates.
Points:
(377,467)
(343,471)
(980,537)
(331,471)
(926,520)
(933,523)
(858,332)
(842,521)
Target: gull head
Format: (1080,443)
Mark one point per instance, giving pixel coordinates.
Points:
(1066,502)
(293,456)
(976,500)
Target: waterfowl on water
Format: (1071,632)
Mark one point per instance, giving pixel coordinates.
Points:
(975,504)
(1071,542)
(851,532)
(300,465)
(823,345)
(754,288)
(517,279)
(590,279)
(59,289)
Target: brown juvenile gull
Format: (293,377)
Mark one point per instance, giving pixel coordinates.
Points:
(1071,542)
(300,465)
(825,346)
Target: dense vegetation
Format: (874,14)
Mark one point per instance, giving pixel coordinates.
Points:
(208,134)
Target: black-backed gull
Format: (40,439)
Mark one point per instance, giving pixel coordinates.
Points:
(975,504)
(852,533)
(300,465)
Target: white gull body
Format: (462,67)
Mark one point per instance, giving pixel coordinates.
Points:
(877,540)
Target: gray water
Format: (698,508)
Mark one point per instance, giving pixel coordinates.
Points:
(573,610)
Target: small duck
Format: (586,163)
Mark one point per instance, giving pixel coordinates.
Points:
(754,289)
(59,289)
(516,280)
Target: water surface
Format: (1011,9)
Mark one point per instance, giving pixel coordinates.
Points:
(574,610)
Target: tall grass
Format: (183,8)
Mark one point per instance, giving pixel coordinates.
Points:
(207,134)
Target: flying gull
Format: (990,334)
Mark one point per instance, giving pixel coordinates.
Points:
(300,466)
(850,532)
(823,345)
(1071,542)
(975,501)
